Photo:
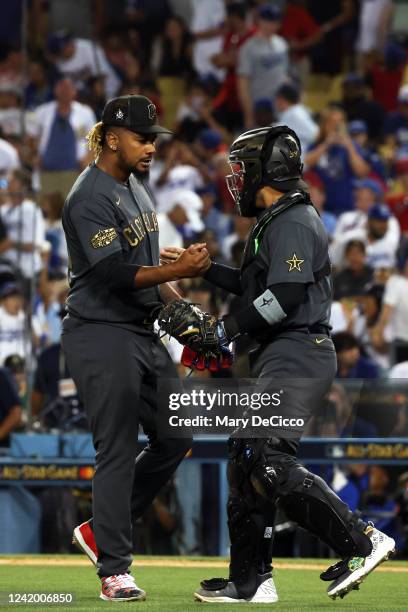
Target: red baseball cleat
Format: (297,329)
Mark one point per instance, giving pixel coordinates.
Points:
(83,538)
(121,588)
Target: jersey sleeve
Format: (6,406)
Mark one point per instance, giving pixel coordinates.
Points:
(288,250)
(96,228)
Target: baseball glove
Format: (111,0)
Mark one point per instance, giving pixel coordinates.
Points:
(190,326)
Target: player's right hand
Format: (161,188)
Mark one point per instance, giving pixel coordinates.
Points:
(193,261)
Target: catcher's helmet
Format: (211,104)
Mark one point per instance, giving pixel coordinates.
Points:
(264,156)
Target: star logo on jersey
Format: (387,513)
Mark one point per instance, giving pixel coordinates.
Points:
(295,263)
(103,238)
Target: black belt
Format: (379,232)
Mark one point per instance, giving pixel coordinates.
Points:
(317,328)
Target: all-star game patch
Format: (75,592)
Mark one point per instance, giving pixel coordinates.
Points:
(104,237)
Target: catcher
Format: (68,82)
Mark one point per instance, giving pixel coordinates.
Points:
(285,278)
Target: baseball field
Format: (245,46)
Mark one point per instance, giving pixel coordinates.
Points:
(170,582)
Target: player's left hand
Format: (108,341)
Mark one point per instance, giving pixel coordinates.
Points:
(202,332)
(170,254)
(201,361)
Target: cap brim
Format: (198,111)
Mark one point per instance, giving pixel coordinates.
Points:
(150,129)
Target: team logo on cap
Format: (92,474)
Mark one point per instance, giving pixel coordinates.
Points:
(151,110)
(119,114)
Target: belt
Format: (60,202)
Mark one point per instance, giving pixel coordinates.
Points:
(303,329)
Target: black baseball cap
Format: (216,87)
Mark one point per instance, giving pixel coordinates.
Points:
(133,112)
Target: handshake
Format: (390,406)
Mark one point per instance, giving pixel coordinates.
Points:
(206,345)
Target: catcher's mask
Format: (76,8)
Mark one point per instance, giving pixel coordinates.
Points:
(264,156)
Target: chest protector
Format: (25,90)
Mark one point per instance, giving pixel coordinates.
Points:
(254,270)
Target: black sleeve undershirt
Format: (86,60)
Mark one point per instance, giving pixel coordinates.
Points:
(115,273)
(224,277)
(248,320)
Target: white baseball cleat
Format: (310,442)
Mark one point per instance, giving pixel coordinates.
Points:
(357,568)
(224,591)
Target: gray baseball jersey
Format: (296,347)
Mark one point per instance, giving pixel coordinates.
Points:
(292,249)
(102,216)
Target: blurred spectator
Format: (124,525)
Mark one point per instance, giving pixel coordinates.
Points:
(172,54)
(338,161)
(161,526)
(46,318)
(350,282)
(291,112)
(374,26)
(357,105)
(52,205)
(81,22)
(11,111)
(335,19)
(16,365)
(95,97)
(25,227)
(380,243)
(302,33)
(213,218)
(9,159)
(367,192)
(79,59)
(61,127)
(10,407)
(397,198)
(189,118)
(365,324)
(318,197)
(221,169)
(396,124)
(385,74)
(39,86)
(350,362)
(226,105)
(207,28)
(180,219)
(242,227)
(376,503)
(178,169)
(54,397)
(264,112)
(359,133)
(263,63)
(11,68)
(351,483)
(13,340)
(395,313)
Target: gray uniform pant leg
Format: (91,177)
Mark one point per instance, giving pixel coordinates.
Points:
(109,365)
(294,355)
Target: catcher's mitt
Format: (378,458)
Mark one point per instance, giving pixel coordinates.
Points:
(190,326)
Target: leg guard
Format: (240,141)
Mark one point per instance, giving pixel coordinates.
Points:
(250,520)
(309,501)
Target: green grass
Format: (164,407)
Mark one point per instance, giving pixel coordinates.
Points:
(170,589)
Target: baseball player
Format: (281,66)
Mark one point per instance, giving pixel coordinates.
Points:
(114,357)
(285,282)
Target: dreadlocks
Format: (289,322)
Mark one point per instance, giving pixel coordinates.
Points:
(95,138)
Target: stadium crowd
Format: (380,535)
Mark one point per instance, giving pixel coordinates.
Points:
(335,72)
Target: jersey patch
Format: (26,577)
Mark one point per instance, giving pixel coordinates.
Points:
(104,237)
(294,263)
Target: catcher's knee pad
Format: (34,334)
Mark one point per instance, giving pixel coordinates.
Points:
(309,501)
(270,469)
